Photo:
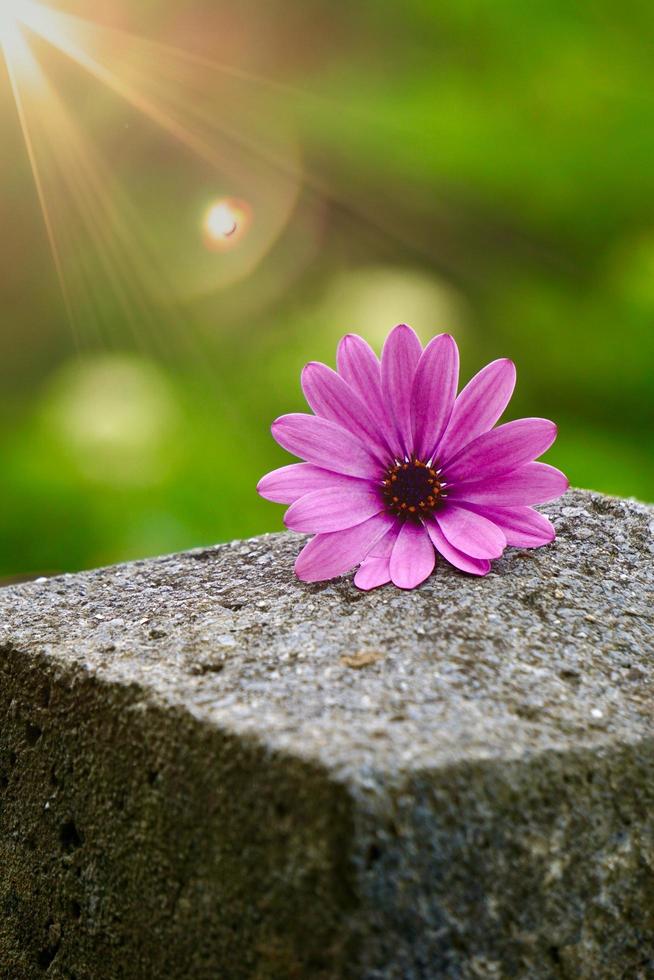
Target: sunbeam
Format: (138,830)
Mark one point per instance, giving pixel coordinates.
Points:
(149,90)
(23,69)
(11,14)
(247,168)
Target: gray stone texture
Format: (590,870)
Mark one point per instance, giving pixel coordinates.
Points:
(209,769)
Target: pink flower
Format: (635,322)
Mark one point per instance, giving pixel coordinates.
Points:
(398,467)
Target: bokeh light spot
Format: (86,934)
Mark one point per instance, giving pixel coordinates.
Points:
(117,417)
(377,297)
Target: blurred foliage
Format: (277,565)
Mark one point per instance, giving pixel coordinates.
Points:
(467,166)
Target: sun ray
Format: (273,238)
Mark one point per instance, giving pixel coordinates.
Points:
(65,165)
(89,206)
(22,65)
(160,70)
(84,42)
(236,136)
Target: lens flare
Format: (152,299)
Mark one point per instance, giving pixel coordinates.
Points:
(95,231)
(221,222)
(225,223)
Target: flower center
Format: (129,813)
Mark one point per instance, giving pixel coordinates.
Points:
(412,488)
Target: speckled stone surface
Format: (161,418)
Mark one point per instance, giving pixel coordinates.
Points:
(209,769)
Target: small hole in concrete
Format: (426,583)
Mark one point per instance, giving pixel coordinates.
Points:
(46,956)
(281,810)
(233,604)
(32,733)
(69,836)
(373,854)
(153,776)
(555,955)
(211,668)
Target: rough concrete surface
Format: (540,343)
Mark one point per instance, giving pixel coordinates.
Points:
(209,769)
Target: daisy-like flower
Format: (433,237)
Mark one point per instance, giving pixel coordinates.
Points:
(399,468)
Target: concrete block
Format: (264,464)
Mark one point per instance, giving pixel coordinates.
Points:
(209,769)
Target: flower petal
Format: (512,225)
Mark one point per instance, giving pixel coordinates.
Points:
(533,483)
(471,533)
(474,566)
(359,366)
(372,572)
(384,547)
(336,552)
(413,557)
(375,569)
(523,527)
(325,444)
(332,398)
(500,450)
(333,509)
(288,483)
(433,394)
(479,406)
(399,361)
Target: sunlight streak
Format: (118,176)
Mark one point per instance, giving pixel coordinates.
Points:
(21,65)
(82,40)
(81,203)
(254,154)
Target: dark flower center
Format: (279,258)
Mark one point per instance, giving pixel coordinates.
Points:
(412,488)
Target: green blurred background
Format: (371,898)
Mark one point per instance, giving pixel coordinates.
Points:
(478,167)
